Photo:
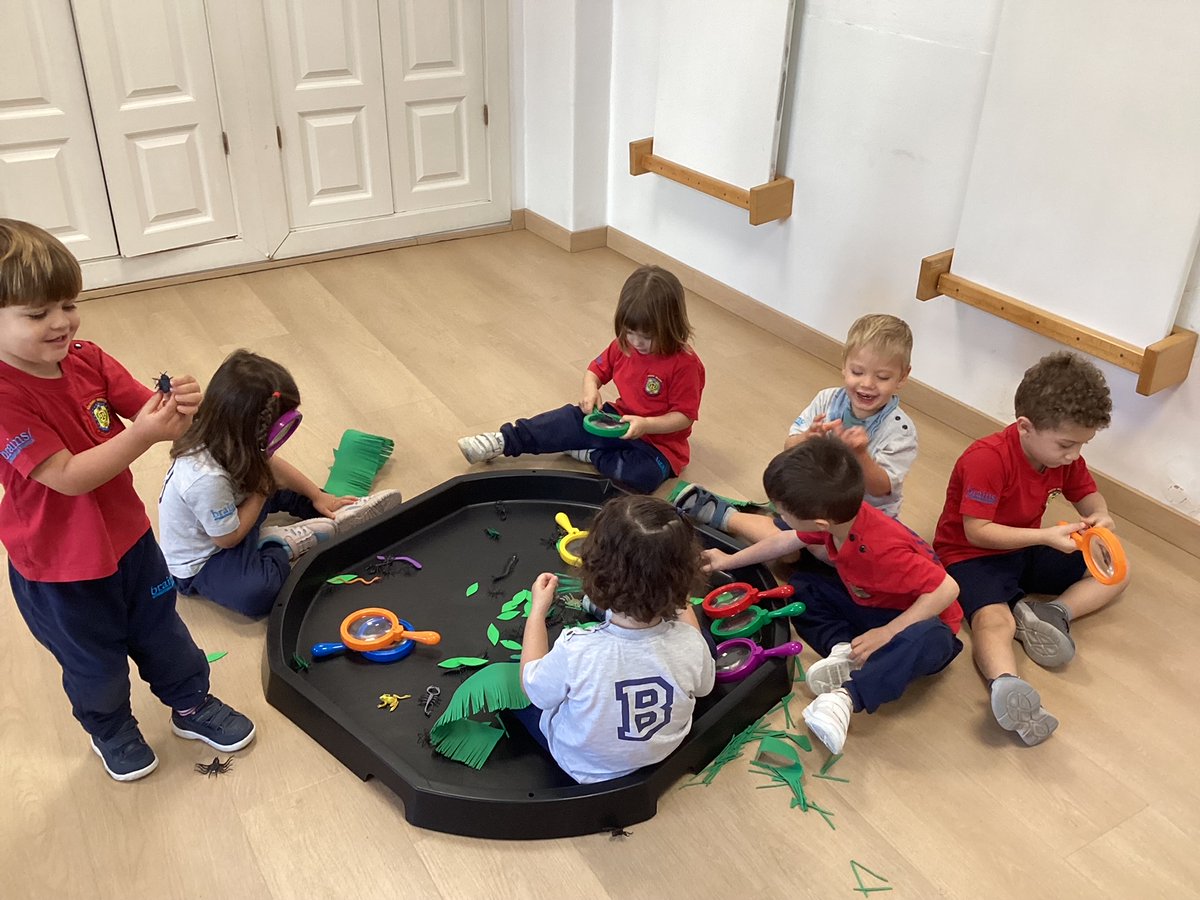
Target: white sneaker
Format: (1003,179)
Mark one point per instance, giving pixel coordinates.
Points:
(482,447)
(828,717)
(832,672)
(299,537)
(366,509)
(584,456)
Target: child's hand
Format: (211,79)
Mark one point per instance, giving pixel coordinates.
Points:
(590,401)
(715,560)
(637,427)
(1059,536)
(1101,520)
(867,643)
(186,391)
(327,504)
(543,594)
(855,438)
(159,419)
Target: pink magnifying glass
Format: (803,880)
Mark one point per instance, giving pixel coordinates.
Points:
(285,426)
(738,657)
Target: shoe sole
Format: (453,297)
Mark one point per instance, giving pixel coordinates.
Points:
(471,456)
(1043,643)
(1017,707)
(366,514)
(710,502)
(224,748)
(128,776)
(827,675)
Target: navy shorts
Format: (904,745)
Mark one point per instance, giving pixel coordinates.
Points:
(1007,577)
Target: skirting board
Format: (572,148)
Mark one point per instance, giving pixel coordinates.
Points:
(571,241)
(1131,504)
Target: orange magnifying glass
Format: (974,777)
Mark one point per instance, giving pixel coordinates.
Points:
(377,629)
(1103,554)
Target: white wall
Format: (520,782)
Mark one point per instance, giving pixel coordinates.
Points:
(885,99)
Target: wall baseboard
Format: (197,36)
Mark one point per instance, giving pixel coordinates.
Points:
(571,241)
(1130,503)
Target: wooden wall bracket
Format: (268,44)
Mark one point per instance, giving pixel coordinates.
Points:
(766,202)
(1161,365)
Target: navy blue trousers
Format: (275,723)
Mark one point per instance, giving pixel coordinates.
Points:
(635,464)
(94,628)
(832,617)
(247,578)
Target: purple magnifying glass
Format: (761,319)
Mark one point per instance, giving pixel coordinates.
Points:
(285,426)
(738,657)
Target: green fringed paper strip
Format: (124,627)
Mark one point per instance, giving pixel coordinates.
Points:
(356,462)
(458,737)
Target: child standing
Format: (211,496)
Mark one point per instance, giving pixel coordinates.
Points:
(991,538)
(864,414)
(659,377)
(620,696)
(226,479)
(888,616)
(86,573)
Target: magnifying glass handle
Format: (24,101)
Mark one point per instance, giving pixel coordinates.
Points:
(564,522)
(778,593)
(1077,536)
(791,648)
(330,648)
(792,609)
(421,637)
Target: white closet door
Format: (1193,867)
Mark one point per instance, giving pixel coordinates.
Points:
(434,69)
(49,168)
(329,89)
(154,100)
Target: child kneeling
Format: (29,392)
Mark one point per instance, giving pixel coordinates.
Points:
(888,616)
(621,695)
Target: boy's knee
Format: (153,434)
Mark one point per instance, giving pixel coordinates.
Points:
(994,617)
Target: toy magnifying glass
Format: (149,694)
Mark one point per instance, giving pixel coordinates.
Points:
(603,423)
(739,657)
(572,535)
(750,620)
(1103,553)
(379,629)
(732,599)
(391,654)
(285,426)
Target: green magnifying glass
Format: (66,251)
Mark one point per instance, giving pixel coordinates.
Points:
(603,423)
(751,620)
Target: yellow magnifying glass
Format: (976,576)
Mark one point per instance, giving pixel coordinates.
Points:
(572,535)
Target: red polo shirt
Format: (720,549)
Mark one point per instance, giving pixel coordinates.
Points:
(995,481)
(885,564)
(653,385)
(50,536)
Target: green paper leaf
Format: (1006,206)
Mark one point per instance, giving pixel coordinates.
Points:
(493,634)
(472,589)
(341,579)
(459,662)
(522,596)
(510,645)
(528,609)
(213,657)
(696,601)
(511,614)
(515,656)
(514,603)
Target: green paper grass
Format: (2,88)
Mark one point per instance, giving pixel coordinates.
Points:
(456,736)
(830,763)
(858,869)
(733,750)
(356,462)
(460,662)
(801,741)
(213,657)
(473,589)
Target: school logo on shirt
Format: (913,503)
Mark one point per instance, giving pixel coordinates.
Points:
(159,589)
(1054,492)
(653,385)
(982,496)
(645,707)
(223,513)
(14,447)
(859,592)
(101,414)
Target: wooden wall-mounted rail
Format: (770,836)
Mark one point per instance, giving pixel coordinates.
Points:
(1161,365)
(766,202)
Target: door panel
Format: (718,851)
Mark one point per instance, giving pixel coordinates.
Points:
(49,167)
(149,73)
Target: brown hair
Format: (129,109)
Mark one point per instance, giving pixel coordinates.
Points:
(641,558)
(1063,388)
(885,335)
(35,268)
(245,397)
(816,479)
(652,303)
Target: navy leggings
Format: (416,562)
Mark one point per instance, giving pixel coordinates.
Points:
(832,617)
(94,628)
(636,464)
(247,578)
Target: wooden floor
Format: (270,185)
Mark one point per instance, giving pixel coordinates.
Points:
(432,342)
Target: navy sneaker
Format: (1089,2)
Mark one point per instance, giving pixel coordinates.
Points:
(126,755)
(217,724)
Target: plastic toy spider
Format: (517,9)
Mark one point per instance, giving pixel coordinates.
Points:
(216,767)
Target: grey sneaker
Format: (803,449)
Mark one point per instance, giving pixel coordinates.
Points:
(366,509)
(299,537)
(1017,706)
(217,724)
(482,447)
(126,755)
(1043,630)
(703,506)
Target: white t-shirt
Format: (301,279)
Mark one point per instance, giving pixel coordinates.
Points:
(615,699)
(197,503)
(894,447)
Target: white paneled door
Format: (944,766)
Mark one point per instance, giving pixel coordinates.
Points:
(434,69)
(49,167)
(325,55)
(154,101)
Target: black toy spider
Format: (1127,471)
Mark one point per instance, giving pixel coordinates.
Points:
(216,767)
